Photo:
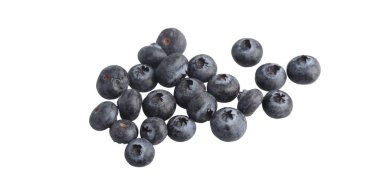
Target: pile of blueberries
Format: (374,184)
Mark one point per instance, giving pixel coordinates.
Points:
(162,62)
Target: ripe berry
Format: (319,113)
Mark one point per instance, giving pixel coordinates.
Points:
(172,41)
(303,69)
(277,104)
(247,52)
(228,124)
(159,103)
(103,116)
(270,76)
(139,152)
(224,87)
(112,81)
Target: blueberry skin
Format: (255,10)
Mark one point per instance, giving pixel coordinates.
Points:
(224,87)
(172,41)
(112,81)
(171,70)
(154,130)
(201,107)
(151,55)
(303,69)
(277,104)
(139,152)
(249,101)
(123,131)
(181,128)
(103,116)
(270,76)
(202,67)
(228,124)
(247,52)
(129,104)
(141,78)
(186,89)
(159,103)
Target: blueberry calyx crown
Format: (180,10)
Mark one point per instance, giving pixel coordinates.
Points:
(136,150)
(303,59)
(143,69)
(146,129)
(200,63)
(279,98)
(273,69)
(247,44)
(182,121)
(189,83)
(158,97)
(227,115)
(222,77)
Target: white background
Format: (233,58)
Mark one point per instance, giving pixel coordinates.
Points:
(51,53)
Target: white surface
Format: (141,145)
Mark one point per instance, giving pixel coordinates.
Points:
(51,53)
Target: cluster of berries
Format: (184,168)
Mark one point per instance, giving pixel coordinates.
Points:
(162,62)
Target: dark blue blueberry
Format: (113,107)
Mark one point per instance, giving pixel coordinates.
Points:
(112,81)
(247,52)
(202,67)
(303,69)
(224,87)
(103,116)
(123,131)
(249,101)
(171,70)
(129,104)
(201,107)
(139,152)
(181,128)
(186,89)
(141,78)
(277,104)
(270,76)
(172,41)
(159,103)
(228,124)
(154,130)
(151,55)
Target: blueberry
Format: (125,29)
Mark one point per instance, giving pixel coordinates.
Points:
(181,128)
(171,70)
(154,130)
(129,104)
(172,41)
(103,116)
(303,69)
(202,67)
(186,89)
(141,78)
(249,101)
(228,124)
(224,87)
(151,55)
(277,104)
(112,81)
(159,103)
(247,52)
(123,131)
(270,77)
(139,152)
(201,107)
